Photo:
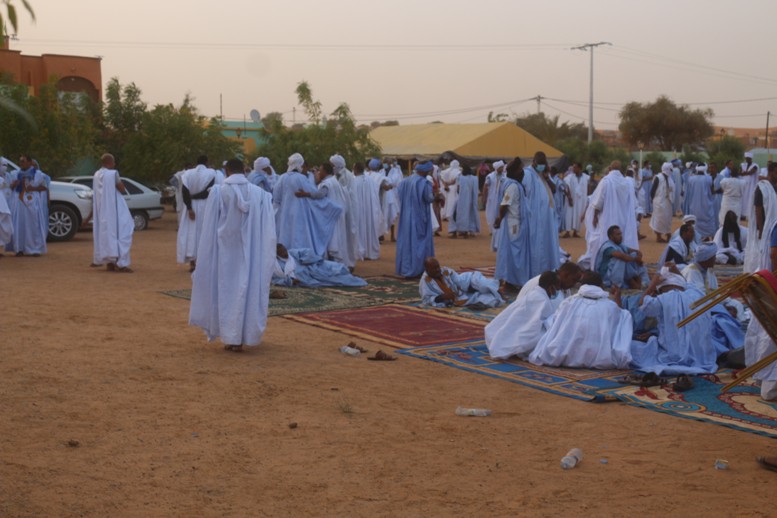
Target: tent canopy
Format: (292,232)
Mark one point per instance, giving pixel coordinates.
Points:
(503,140)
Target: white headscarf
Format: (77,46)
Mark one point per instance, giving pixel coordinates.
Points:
(338,162)
(666,167)
(688,218)
(671,279)
(748,155)
(701,168)
(496,165)
(261,163)
(296,162)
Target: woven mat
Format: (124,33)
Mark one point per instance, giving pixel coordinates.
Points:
(396,325)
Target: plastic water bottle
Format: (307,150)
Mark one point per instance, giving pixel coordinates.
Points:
(350,351)
(572,458)
(473,412)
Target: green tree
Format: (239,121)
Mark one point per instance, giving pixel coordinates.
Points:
(598,154)
(548,129)
(123,115)
(664,125)
(725,149)
(321,138)
(12,16)
(170,137)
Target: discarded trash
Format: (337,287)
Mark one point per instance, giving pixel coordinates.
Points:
(572,458)
(350,351)
(604,461)
(473,412)
(721,464)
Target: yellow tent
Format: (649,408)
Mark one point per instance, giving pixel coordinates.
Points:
(488,140)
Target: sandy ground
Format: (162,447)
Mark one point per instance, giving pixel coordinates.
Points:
(111,405)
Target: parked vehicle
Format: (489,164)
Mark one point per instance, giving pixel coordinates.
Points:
(144,203)
(70,207)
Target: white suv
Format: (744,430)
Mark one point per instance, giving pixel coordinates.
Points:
(70,207)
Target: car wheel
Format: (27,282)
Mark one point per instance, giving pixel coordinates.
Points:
(63,223)
(141,220)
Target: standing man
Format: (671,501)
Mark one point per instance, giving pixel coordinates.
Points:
(112,226)
(260,176)
(449,177)
(27,210)
(414,232)
(543,232)
(698,193)
(196,185)
(749,174)
(491,192)
(578,198)
(612,203)
(662,194)
(231,285)
(761,254)
(512,231)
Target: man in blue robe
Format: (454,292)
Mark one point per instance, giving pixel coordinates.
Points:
(686,350)
(29,216)
(543,231)
(513,268)
(619,265)
(302,267)
(700,202)
(303,222)
(414,231)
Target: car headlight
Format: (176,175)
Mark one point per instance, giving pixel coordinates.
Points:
(84,194)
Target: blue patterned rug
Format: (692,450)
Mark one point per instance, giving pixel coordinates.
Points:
(741,408)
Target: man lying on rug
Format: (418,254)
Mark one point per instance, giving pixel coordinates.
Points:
(692,349)
(443,287)
(302,267)
(589,330)
(518,329)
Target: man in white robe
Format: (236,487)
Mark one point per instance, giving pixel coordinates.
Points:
(588,331)
(732,191)
(578,199)
(394,177)
(749,177)
(517,330)
(112,223)
(443,287)
(612,203)
(260,176)
(700,271)
(448,178)
(367,215)
(731,240)
(236,259)
(196,184)
(6,220)
(662,194)
(761,254)
(346,179)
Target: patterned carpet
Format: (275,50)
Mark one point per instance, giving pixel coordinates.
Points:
(379,291)
(395,325)
(741,408)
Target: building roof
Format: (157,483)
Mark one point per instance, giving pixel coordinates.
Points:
(487,140)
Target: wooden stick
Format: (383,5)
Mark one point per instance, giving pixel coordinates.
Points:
(746,373)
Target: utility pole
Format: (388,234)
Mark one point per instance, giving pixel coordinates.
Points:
(590,47)
(768,149)
(539,104)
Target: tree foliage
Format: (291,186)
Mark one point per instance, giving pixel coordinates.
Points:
(664,125)
(12,16)
(549,130)
(724,149)
(598,154)
(318,140)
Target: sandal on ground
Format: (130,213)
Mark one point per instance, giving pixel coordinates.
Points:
(380,356)
(124,269)
(765,462)
(234,348)
(359,348)
(683,383)
(650,379)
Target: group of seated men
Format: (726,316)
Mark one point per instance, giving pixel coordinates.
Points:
(600,330)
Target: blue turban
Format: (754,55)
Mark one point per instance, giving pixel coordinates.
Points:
(705,251)
(425,167)
(374,164)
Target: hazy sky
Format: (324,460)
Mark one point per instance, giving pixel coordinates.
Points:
(423,60)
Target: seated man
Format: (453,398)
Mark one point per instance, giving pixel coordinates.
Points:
(680,249)
(442,287)
(691,349)
(731,240)
(699,272)
(619,265)
(302,267)
(589,331)
(518,329)
(690,218)
(569,274)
